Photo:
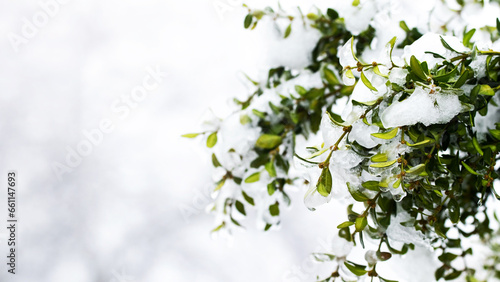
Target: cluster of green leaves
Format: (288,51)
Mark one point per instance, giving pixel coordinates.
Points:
(448,175)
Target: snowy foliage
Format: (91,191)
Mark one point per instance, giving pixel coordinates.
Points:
(403,130)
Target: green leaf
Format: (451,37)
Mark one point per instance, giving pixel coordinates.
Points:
(274,209)
(484,89)
(462,79)
(356,269)
(380,157)
(355,3)
(469,169)
(220,184)
(240,207)
(324,185)
(323,257)
(368,103)
(248,21)
(259,113)
(447,257)
(270,168)
(387,135)
(446,45)
(345,224)
(416,170)
(356,194)
(386,280)
(360,223)
(212,140)
(403,26)
(330,77)
(454,275)
(495,133)
(300,90)
(190,135)
(426,141)
(454,211)
(476,146)
(253,177)
(215,161)
(268,141)
(248,198)
(235,222)
(417,68)
(367,82)
(244,119)
(271,189)
(219,227)
(392,42)
(288,30)
(349,74)
(447,76)
(376,70)
(468,36)
(371,185)
(384,164)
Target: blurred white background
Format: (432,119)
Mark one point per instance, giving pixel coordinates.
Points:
(118,216)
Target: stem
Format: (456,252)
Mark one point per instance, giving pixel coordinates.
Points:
(489,52)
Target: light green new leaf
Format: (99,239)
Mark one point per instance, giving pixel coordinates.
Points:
(361,223)
(190,135)
(426,141)
(485,90)
(345,224)
(220,184)
(253,178)
(416,170)
(384,164)
(387,135)
(376,70)
(270,168)
(367,82)
(268,141)
(212,140)
(380,157)
(371,185)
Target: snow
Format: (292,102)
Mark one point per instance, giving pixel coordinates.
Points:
(398,76)
(431,42)
(422,106)
(361,133)
(345,55)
